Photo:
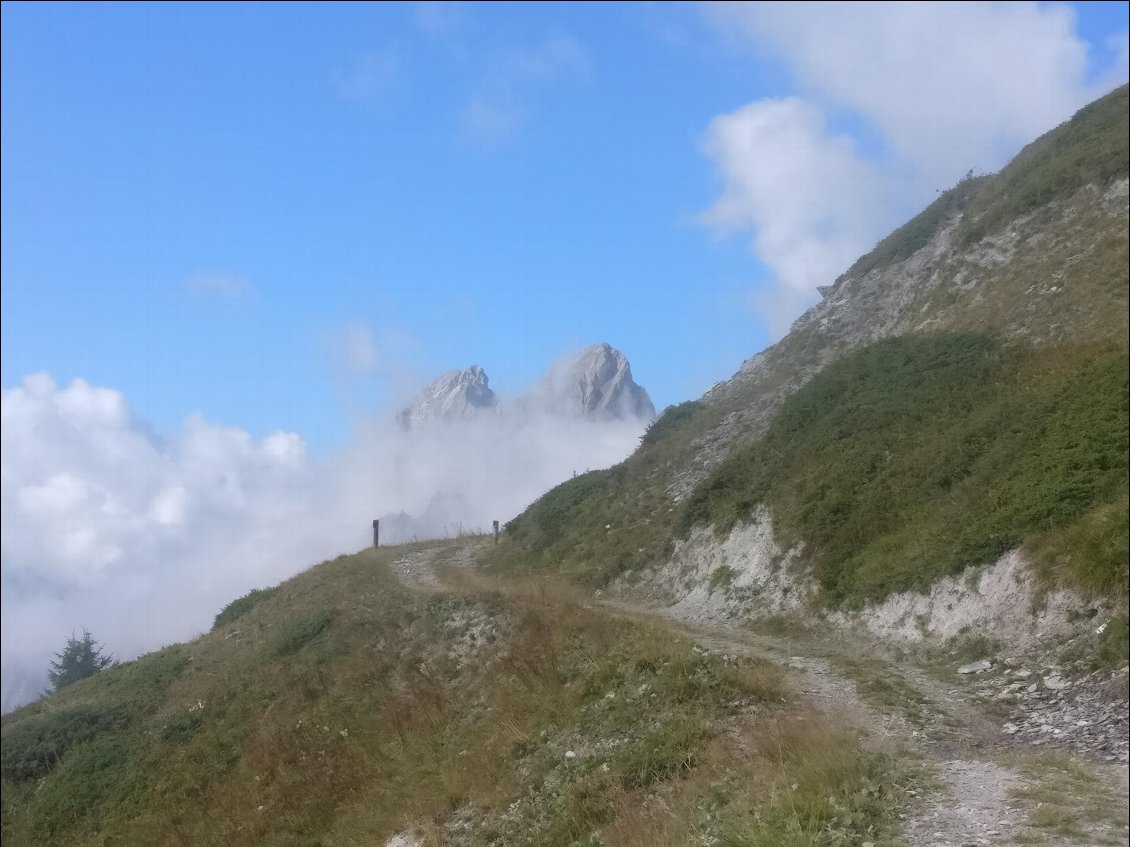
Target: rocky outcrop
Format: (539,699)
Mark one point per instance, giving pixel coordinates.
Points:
(596,383)
(455,396)
(745,575)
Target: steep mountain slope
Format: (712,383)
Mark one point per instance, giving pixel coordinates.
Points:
(997,420)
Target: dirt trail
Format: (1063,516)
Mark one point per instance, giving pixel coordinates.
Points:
(979,770)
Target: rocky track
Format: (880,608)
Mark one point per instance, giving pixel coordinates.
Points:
(995,782)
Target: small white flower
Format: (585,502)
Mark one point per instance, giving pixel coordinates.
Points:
(569,754)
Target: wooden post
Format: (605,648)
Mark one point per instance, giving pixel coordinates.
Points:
(376,533)
(496,532)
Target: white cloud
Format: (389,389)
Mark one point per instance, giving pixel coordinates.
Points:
(1119,71)
(951,86)
(143,541)
(369,76)
(220,285)
(809,199)
(946,86)
(498,105)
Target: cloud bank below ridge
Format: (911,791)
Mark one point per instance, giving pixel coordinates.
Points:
(143,538)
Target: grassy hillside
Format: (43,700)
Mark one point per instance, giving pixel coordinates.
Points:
(905,461)
(341,708)
(920,455)
(1093,148)
(602,524)
(996,418)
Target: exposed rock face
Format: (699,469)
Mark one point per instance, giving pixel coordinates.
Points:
(454,396)
(745,576)
(596,383)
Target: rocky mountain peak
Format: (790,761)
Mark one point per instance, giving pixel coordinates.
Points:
(593,383)
(456,395)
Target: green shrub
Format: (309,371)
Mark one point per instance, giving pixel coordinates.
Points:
(179,729)
(722,577)
(97,772)
(116,699)
(299,632)
(36,744)
(242,605)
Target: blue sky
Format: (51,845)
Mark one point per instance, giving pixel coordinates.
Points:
(144,148)
(201,201)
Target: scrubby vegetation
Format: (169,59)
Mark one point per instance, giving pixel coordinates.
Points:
(240,606)
(920,455)
(300,631)
(593,528)
(916,233)
(1092,148)
(72,755)
(513,716)
(672,419)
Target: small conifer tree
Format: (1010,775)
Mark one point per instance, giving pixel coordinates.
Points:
(82,657)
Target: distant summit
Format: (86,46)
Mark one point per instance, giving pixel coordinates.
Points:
(455,396)
(596,383)
(593,384)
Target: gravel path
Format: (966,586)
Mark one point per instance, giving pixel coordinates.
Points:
(975,803)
